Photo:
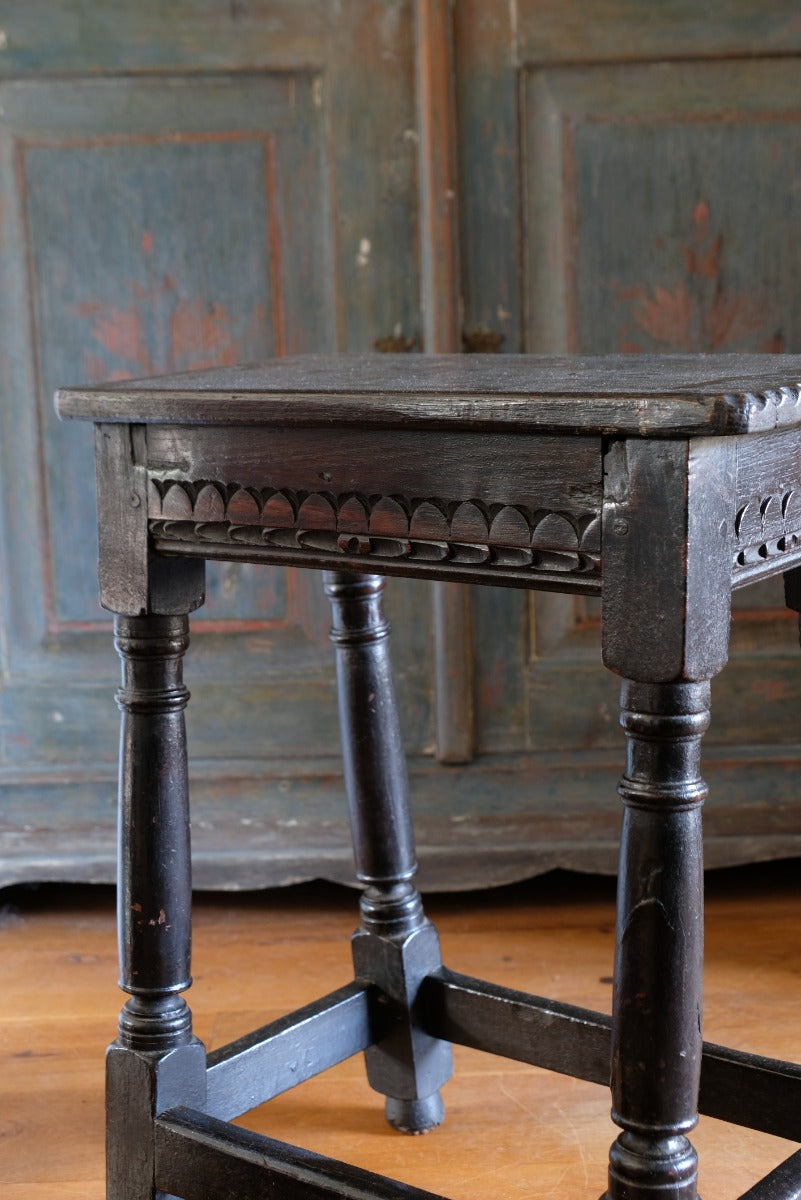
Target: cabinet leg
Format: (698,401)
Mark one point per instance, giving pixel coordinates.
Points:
(155,1062)
(656,1036)
(396,946)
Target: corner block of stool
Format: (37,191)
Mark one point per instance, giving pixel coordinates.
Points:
(406,1063)
(140,1084)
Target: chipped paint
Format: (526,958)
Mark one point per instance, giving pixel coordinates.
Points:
(161,330)
(363,257)
(698,312)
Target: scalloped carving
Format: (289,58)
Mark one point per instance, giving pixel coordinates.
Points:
(154,494)
(590,535)
(767,528)
(210,504)
(278,512)
(791,510)
(554,532)
(176,504)
(352,516)
(243,508)
(432,530)
(429,522)
(388,518)
(778,405)
(468,523)
(510,528)
(317,512)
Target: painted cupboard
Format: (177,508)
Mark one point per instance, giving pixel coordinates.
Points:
(204,182)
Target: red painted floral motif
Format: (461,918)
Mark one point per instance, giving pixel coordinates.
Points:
(161,331)
(699,313)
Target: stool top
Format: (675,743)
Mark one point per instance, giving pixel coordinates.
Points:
(630,395)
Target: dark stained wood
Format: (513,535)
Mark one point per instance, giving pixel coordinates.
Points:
(154,885)
(447,468)
(668,531)
(626,395)
(154,1056)
(782,1184)
(656,1014)
(767,525)
(545,1033)
(666,551)
(740,1088)
(315,503)
(137,582)
(197,1155)
(395,946)
(279,1056)
(123,575)
(372,750)
(735,1085)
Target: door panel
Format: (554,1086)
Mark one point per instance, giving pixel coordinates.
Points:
(629,179)
(195,183)
(188,185)
(639,241)
(659,209)
(181,226)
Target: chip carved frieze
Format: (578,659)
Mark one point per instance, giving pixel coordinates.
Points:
(767,528)
(463,531)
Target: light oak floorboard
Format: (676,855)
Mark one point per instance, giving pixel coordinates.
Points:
(510,1131)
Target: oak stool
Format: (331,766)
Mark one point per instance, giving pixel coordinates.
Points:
(658,484)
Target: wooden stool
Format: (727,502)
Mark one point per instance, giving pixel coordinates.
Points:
(657,484)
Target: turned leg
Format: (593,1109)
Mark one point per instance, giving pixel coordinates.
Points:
(656,1035)
(396,946)
(155,1062)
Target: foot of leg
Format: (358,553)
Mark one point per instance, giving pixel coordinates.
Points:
(415,1116)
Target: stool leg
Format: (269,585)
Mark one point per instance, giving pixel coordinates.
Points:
(656,1037)
(155,1062)
(396,946)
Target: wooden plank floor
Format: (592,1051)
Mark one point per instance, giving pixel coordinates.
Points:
(511,1131)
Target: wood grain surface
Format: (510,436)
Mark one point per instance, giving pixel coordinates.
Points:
(645,395)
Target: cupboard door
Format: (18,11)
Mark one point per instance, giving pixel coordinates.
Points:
(627,181)
(188,185)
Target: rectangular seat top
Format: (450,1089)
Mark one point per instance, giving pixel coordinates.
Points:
(623,395)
